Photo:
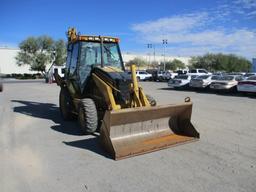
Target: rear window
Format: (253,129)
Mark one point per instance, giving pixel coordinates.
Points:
(215,77)
(252,77)
(239,78)
(192,71)
(181,77)
(202,71)
(203,76)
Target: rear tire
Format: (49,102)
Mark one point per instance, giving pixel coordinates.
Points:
(65,103)
(151,100)
(87,116)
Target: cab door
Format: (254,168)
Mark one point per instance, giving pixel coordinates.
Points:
(71,74)
(90,55)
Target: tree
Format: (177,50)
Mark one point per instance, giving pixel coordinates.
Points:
(173,65)
(221,62)
(60,52)
(37,52)
(139,62)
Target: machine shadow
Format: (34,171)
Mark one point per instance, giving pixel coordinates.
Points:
(51,112)
(47,111)
(91,144)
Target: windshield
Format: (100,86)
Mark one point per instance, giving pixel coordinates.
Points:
(227,78)
(111,55)
(248,74)
(91,54)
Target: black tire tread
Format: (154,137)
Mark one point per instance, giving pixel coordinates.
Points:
(66,111)
(151,100)
(88,107)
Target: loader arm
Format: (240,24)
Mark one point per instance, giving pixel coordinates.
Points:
(139,98)
(59,81)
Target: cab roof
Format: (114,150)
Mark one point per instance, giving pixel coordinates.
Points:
(74,37)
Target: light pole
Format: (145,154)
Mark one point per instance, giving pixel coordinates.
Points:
(154,47)
(164,44)
(149,46)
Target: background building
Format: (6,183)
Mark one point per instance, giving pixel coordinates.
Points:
(8,62)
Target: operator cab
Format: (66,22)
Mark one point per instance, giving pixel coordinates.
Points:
(88,52)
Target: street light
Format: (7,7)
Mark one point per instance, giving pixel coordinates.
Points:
(150,46)
(164,44)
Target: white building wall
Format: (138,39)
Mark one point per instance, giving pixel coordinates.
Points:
(150,58)
(8,62)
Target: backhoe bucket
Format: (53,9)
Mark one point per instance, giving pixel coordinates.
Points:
(134,131)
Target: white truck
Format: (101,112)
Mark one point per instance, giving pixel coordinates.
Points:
(142,75)
(198,72)
(54,68)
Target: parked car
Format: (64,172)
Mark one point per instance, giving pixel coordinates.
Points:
(160,75)
(247,75)
(181,71)
(163,75)
(198,72)
(237,73)
(203,81)
(219,73)
(227,83)
(180,81)
(54,69)
(247,85)
(172,75)
(142,75)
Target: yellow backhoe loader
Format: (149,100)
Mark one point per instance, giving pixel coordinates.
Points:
(99,92)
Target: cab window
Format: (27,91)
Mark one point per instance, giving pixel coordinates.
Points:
(73,59)
(69,53)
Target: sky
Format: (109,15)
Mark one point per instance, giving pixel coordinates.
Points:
(191,27)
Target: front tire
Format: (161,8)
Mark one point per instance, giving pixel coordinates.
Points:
(151,100)
(87,116)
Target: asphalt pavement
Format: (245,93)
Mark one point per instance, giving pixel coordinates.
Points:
(40,152)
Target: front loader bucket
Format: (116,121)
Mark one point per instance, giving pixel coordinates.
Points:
(129,132)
